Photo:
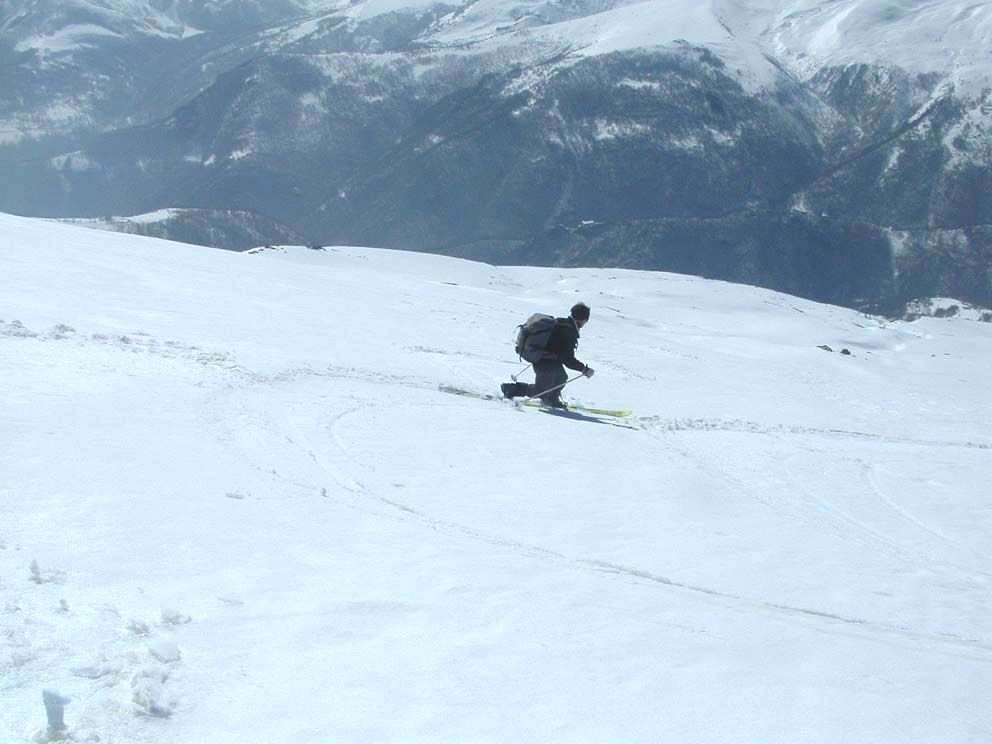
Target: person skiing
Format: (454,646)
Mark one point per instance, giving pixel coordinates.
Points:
(549,371)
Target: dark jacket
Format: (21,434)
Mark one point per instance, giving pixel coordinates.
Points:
(562,344)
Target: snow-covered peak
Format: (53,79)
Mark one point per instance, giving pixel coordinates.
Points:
(952,37)
(52,28)
(580,29)
(57,26)
(597,27)
(948,37)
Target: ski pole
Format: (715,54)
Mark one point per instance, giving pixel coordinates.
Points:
(514,377)
(556,387)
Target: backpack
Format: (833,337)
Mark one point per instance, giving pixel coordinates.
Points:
(534,336)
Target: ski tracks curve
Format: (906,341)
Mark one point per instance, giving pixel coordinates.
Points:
(337,466)
(868,471)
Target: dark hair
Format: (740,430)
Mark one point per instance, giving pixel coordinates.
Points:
(580,311)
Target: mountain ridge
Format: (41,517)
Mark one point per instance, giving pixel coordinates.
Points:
(852,111)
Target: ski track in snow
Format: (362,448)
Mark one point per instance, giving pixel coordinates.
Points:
(333,458)
(752,427)
(852,527)
(867,473)
(140,342)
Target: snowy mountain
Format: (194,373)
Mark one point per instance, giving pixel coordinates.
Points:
(236,506)
(233,229)
(748,140)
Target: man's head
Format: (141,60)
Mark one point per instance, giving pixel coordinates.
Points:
(580,313)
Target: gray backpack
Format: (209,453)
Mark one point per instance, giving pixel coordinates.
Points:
(534,336)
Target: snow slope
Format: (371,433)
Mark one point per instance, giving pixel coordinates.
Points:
(235,507)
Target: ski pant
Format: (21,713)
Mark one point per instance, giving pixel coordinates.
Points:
(548,373)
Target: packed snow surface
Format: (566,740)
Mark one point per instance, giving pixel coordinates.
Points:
(235,506)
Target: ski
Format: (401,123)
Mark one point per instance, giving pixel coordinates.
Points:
(612,412)
(468,393)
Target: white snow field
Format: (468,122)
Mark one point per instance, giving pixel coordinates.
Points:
(235,507)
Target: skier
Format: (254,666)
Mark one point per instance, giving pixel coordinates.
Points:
(550,374)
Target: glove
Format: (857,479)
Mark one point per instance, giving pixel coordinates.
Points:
(589,371)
